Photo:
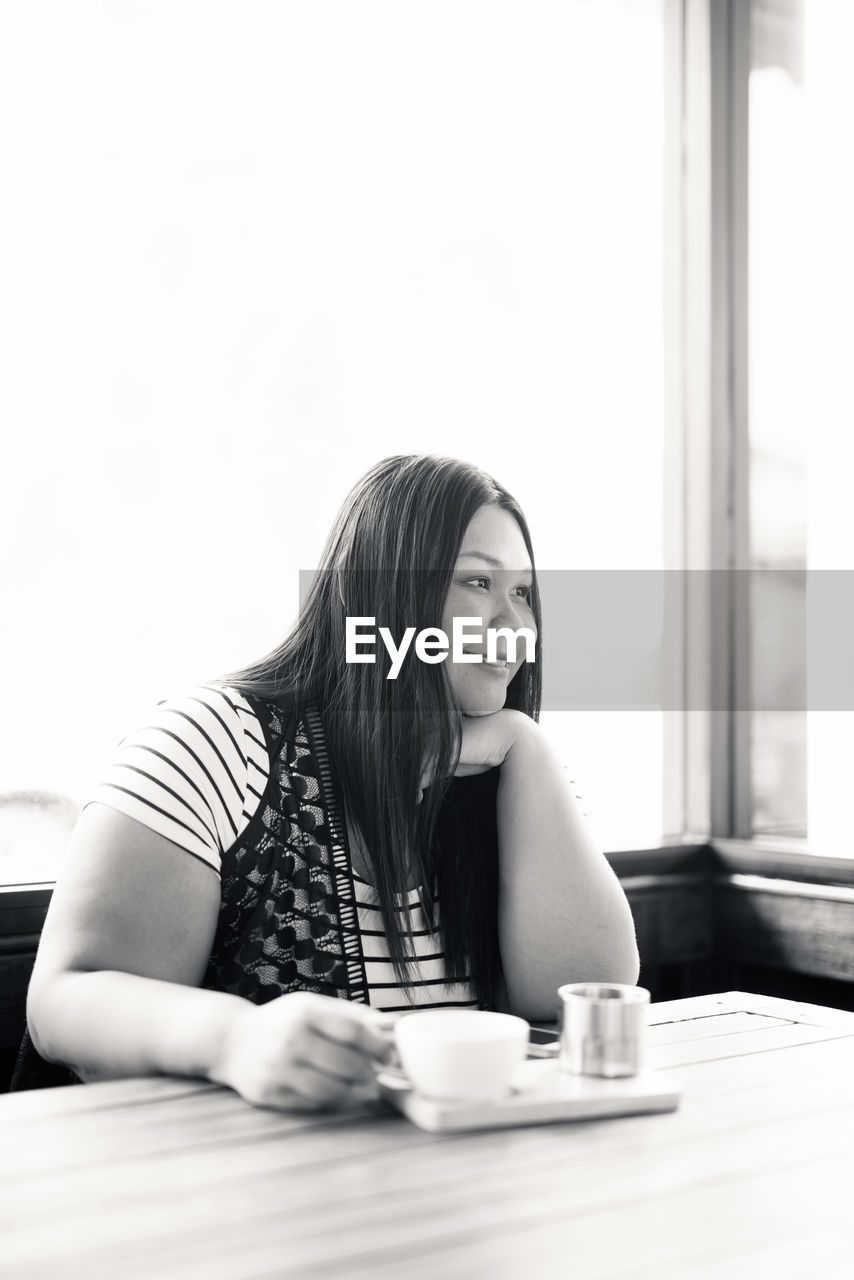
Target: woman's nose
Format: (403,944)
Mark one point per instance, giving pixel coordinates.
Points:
(511,611)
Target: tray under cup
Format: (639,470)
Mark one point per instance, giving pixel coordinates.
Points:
(542,1094)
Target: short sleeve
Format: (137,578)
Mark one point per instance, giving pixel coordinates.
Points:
(195,773)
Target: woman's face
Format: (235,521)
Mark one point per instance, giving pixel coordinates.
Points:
(491,582)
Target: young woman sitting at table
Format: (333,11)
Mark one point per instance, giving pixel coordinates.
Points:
(280,862)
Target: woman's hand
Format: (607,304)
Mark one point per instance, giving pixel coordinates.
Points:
(304,1052)
(487,741)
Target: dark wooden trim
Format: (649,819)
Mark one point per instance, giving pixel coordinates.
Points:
(657,882)
(802,890)
(15,943)
(15,970)
(28,894)
(693,858)
(23,908)
(783,859)
(789,929)
(719,909)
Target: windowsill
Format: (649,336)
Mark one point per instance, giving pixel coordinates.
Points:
(784,859)
(775,857)
(22,912)
(34,894)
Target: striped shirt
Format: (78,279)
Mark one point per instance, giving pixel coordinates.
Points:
(196,773)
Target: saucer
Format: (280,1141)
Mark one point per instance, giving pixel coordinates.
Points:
(541,1094)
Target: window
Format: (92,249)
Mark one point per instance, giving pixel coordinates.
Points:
(778,757)
(299,238)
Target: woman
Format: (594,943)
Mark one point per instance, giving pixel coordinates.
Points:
(387,842)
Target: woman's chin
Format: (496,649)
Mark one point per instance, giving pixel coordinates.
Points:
(483,704)
(481,692)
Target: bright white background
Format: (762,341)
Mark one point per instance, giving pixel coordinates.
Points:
(249,249)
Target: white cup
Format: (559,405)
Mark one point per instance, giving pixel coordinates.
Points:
(464,1054)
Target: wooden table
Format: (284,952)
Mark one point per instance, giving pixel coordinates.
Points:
(752,1176)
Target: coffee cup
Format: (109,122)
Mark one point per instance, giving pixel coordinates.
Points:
(461,1054)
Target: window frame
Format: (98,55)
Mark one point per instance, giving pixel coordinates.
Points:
(709,425)
(707,418)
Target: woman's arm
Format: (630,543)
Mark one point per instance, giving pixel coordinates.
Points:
(115,986)
(127,936)
(563,916)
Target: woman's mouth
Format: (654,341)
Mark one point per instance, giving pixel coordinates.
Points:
(499,667)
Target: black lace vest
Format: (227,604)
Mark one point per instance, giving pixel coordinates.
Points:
(288,919)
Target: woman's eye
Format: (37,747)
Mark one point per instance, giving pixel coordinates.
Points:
(483,583)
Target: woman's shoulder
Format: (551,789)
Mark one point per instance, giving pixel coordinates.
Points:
(211,699)
(220,718)
(191,769)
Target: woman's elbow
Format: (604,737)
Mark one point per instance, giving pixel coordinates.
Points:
(628,967)
(625,956)
(46,1002)
(618,949)
(39,1015)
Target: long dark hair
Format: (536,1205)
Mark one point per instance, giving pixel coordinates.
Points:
(390,555)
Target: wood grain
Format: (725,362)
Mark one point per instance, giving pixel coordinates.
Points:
(167,1178)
